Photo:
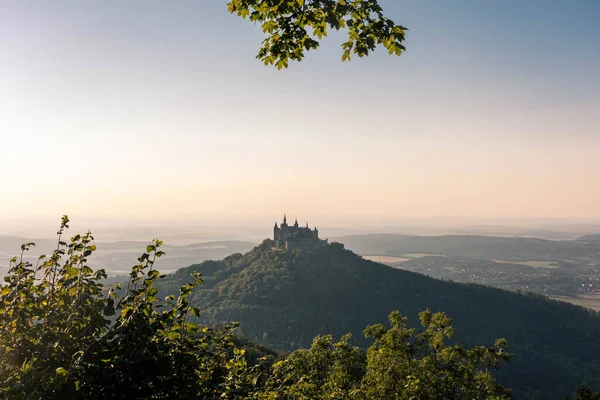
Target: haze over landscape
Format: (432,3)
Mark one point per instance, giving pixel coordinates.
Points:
(491,112)
(299,207)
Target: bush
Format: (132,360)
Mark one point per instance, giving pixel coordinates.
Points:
(64,335)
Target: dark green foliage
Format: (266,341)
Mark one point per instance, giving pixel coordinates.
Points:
(584,393)
(402,363)
(325,370)
(423,365)
(284,299)
(295,26)
(57,339)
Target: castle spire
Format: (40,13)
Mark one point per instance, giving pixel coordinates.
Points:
(284,219)
(296,223)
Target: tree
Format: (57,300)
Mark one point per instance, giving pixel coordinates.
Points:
(407,363)
(584,393)
(64,335)
(295,26)
(402,363)
(327,370)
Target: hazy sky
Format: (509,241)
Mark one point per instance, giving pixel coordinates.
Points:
(139,108)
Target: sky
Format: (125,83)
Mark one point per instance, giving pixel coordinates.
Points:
(142,110)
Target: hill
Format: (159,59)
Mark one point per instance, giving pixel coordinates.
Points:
(12,244)
(284,299)
(117,257)
(472,246)
(590,238)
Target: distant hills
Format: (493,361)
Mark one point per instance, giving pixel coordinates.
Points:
(12,244)
(590,238)
(284,299)
(556,267)
(118,257)
(472,246)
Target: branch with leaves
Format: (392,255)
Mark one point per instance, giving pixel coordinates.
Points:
(294,27)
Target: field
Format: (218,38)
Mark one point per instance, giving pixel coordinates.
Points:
(533,263)
(419,255)
(386,259)
(591,300)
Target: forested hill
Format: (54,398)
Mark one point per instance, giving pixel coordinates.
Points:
(284,299)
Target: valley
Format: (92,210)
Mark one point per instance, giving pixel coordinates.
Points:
(565,270)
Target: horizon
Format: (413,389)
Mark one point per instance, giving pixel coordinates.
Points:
(182,232)
(143,112)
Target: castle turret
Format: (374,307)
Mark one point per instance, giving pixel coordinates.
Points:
(296,223)
(276,233)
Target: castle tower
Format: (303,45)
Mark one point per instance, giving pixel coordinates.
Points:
(296,223)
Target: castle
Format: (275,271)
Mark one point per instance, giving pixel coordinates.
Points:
(291,237)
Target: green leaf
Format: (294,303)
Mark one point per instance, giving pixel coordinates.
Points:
(86,270)
(174,335)
(154,274)
(71,272)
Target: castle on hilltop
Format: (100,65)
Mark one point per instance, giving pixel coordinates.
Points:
(288,237)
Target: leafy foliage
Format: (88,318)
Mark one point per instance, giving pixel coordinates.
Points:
(62,335)
(584,393)
(424,367)
(402,363)
(295,26)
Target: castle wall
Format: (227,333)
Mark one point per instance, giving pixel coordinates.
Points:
(296,237)
(303,244)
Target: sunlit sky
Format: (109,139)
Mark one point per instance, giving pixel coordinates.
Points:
(142,109)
